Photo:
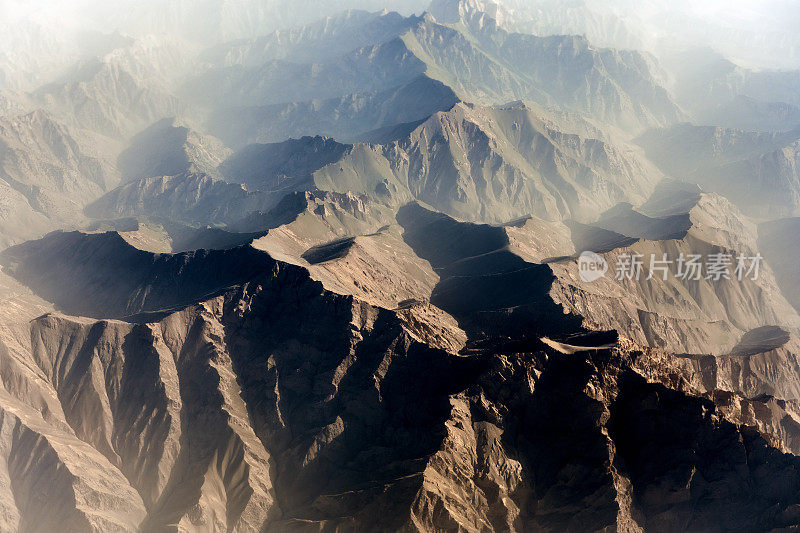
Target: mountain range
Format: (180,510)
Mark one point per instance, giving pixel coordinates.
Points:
(318,267)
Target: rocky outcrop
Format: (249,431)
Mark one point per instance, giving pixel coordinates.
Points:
(235,414)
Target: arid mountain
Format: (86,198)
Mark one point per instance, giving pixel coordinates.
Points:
(40,47)
(757,171)
(336,418)
(619,87)
(601,25)
(495,165)
(354,117)
(684,317)
(209,23)
(766,185)
(282,166)
(47,173)
(760,37)
(717,91)
(376,67)
(120,93)
(324,39)
(167,236)
(475,163)
(680,316)
(170,147)
(746,113)
(321,266)
(189,197)
(479,60)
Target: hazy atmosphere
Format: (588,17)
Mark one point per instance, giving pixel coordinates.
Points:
(388,265)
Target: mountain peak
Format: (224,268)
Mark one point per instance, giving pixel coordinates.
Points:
(455,11)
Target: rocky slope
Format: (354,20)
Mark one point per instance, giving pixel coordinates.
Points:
(246,418)
(375,67)
(479,60)
(323,39)
(495,164)
(757,171)
(475,163)
(766,185)
(498,164)
(118,94)
(48,171)
(353,117)
(491,64)
(69,268)
(281,167)
(170,147)
(165,236)
(337,288)
(761,38)
(682,316)
(190,198)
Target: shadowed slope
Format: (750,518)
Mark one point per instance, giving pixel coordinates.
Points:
(101,275)
(492,292)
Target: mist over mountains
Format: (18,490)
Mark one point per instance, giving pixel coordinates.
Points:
(317,266)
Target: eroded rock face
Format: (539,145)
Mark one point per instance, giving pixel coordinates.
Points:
(48,171)
(483,164)
(235,414)
(83,274)
(277,404)
(378,325)
(696,317)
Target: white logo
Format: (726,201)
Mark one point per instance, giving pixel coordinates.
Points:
(591,267)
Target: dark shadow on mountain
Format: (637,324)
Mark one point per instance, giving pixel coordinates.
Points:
(286,165)
(182,237)
(625,220)
(595,239)
(496,296)
(760,340)
(329,251)
(103,276)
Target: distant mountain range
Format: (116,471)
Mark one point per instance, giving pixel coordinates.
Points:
(314,266)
